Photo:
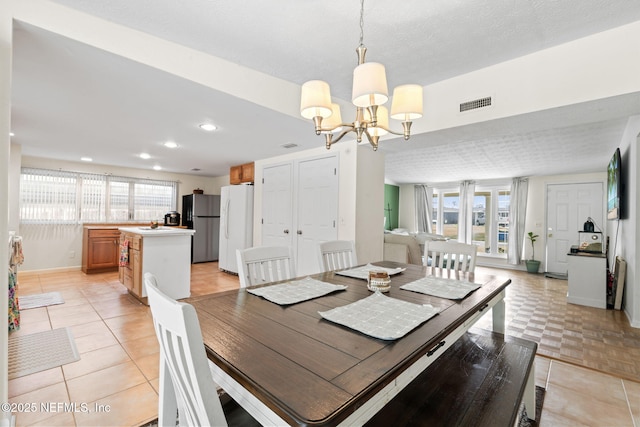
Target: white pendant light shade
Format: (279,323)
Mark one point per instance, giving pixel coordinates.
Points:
(382,116)
(369,85)
(334,120)
(407,102)
(315,99)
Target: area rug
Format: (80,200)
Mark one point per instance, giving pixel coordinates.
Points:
(526,422)
(40,300)
(37,352)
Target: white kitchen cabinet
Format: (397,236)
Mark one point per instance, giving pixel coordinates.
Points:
(587,279)
(164,252)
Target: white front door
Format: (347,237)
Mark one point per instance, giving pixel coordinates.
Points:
(568,207)
(277,209)
(317,210)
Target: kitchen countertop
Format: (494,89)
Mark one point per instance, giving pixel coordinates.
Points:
(147,231)
(588,254)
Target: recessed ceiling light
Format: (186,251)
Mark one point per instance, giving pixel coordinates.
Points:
(208,127)
(170,144)
(157,168)
(12,134)
(86,159)
(145,156)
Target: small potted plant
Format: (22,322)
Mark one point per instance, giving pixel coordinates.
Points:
(532,264)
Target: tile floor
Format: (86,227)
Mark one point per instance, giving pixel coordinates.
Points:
(117,376)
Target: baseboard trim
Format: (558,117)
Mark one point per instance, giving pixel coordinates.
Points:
(47,270)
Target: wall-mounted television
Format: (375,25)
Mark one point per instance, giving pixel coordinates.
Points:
(614,186)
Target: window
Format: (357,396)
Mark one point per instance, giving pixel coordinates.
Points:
(490,219)
(61,197)
(450,211)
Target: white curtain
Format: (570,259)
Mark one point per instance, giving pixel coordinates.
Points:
(424,207)
(465,215)
(517,215)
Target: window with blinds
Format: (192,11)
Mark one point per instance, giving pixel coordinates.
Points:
(63,197)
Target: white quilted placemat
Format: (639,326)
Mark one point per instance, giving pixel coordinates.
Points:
(295,291)
(441,287)
(381,317)
(363,271)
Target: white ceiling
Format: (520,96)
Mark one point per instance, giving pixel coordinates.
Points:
(71,100)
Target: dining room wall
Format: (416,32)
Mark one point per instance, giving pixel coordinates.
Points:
(625,233)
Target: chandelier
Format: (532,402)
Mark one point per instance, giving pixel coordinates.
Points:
(368,95)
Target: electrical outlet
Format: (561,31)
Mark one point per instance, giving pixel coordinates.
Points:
(72,254)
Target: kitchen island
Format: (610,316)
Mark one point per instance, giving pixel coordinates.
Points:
(164,252)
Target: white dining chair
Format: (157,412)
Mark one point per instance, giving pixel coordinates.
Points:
(186,385)
(265,264)
(450,255)
(337,254)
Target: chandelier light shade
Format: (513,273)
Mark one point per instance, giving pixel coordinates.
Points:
(369,85)
(369,94)
(407,102)
(315,100)
(334,121)
(380,129)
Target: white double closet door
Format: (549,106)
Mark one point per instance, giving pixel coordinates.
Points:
(300,207)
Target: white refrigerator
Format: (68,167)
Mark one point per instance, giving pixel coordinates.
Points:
(236,224)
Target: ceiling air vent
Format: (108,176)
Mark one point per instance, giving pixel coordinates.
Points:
(289,145)
(475,104)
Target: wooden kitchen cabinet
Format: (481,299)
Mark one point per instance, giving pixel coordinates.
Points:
(241,174)
(100,249)
(131,273)
(235,175)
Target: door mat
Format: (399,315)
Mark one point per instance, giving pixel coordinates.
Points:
(40,300)
(37,352)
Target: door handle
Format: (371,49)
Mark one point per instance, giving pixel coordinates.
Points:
(286,231)
(299,231)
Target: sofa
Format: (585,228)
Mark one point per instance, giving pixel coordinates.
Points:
(405,247)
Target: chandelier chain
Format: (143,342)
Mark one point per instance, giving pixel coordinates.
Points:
(361,22)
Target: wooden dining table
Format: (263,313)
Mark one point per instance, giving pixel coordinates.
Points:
(286,365)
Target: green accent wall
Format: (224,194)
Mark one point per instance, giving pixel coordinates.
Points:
(391,205)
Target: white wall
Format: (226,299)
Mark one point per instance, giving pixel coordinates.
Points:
(627,230)
(566,74)
(6,28)
(369,218)
(60,246)
(14,186)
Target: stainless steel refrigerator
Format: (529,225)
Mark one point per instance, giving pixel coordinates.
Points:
(201,212)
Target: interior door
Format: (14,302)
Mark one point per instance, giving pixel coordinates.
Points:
(277,210)
(317,210)
(568,207)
